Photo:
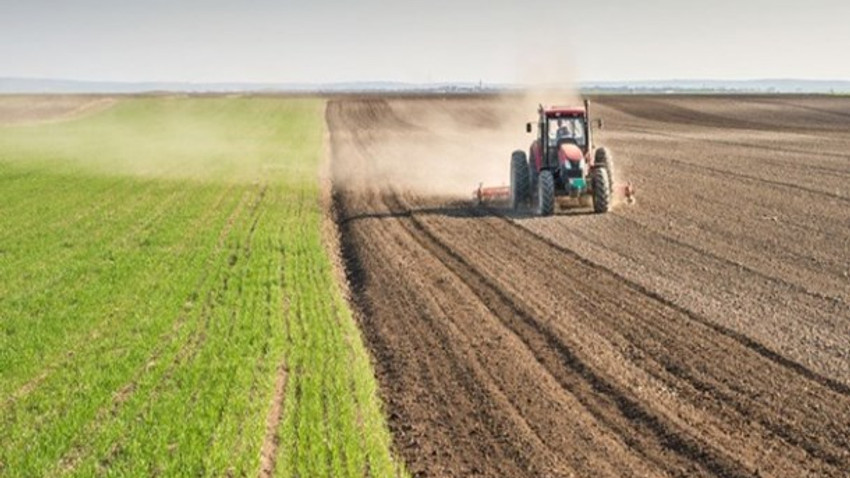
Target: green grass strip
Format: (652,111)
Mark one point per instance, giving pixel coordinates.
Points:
(160,263)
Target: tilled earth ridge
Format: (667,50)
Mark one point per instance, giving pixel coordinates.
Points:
(701,332)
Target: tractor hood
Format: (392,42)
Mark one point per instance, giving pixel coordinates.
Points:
(569,152)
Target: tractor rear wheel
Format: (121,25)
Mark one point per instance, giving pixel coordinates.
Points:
(520,182)
(545,193)
(601,183)
(604,158)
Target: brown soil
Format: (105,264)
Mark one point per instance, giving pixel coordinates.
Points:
(702,332)
(268,453)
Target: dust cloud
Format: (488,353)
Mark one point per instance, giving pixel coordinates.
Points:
(431,146)
(437,147)
(30,110)
(442,147)
(448,146)
(170,137)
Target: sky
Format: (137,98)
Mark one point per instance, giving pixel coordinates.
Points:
(418,41)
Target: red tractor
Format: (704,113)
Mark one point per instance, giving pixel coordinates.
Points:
(562,162)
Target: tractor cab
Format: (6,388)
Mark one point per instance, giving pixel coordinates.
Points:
(563,135)
(563,129)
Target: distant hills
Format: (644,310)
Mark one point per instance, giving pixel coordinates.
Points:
(35,85)
(730,86)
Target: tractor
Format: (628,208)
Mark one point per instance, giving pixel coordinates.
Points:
(562,162)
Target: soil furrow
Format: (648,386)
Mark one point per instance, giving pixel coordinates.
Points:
(617,409)
(839,405)
(427,368)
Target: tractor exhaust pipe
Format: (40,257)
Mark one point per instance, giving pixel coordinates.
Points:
(588,124)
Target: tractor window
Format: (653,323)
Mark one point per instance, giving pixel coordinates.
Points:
(568,127)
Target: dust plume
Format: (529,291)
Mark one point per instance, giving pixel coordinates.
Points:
(448,146)
(437,146)
(171,137)
(430,146)
(30,110)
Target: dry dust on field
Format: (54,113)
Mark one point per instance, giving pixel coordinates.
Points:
(40,109)
(703,331)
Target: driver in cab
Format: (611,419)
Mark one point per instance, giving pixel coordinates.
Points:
(564,130)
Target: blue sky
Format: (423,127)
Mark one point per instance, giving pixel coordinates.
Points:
(422,41)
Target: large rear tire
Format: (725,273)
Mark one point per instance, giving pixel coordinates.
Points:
(601,183)
(604,158)
(520,182)
(545,193)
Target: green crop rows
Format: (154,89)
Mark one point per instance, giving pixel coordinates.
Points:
(161,268)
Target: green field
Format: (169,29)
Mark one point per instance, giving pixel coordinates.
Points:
(163,279)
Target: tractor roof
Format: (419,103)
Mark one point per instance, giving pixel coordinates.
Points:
(556,111)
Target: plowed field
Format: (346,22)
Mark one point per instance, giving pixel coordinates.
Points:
(704,331)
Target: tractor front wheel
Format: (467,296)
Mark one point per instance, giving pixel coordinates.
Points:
(601,183)
(545,193)
(520,182)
